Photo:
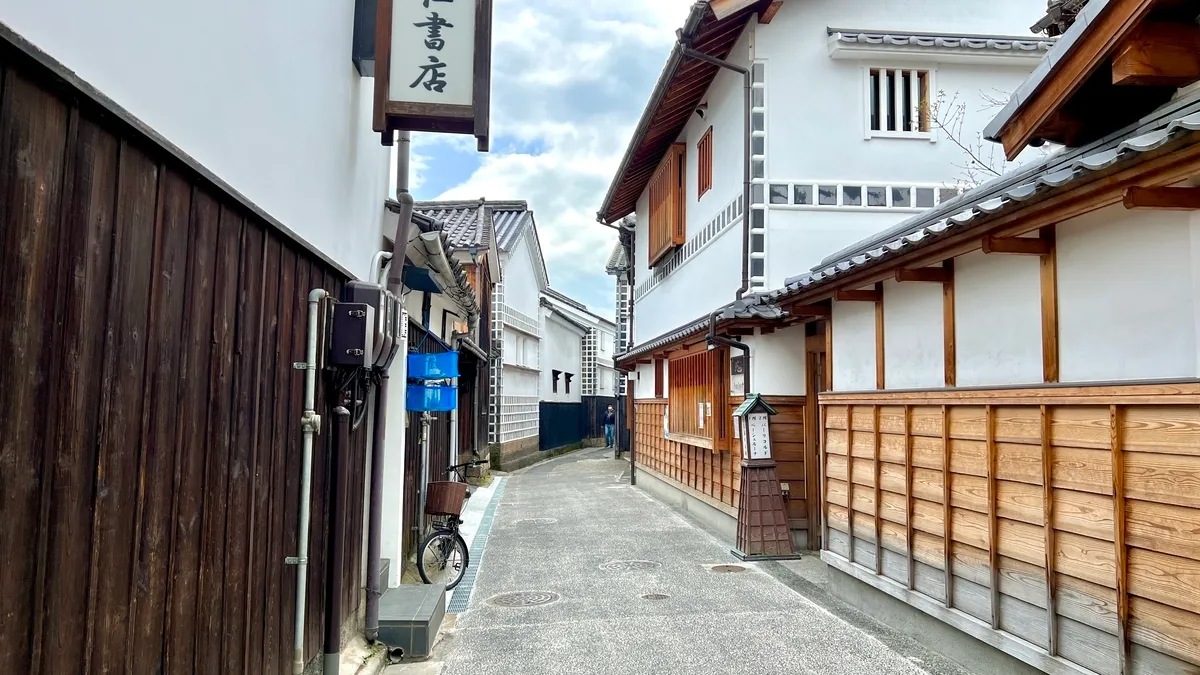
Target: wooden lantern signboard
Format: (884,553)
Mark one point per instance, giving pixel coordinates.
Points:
(763,530)
(433,67)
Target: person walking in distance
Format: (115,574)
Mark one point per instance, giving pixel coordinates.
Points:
(610,427)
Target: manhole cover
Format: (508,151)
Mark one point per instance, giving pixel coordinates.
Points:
(524,599)
(728,569)
(537,521)
(626,565)
(655,596)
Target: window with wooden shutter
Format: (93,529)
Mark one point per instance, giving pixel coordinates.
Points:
(704,152)
(699,398)
(658,379)
(667,204)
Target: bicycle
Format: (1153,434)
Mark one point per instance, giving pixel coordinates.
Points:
(443,557)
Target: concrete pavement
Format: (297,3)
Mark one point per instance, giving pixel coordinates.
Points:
(632,589)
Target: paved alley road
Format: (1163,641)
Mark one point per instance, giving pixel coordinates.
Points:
(571,528)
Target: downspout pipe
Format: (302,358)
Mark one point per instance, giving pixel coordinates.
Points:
(713,340)
(337,548)
(395,284)
(310,423)
(688,52)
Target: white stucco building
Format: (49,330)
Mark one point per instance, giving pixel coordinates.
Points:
(597,372)
(860,114)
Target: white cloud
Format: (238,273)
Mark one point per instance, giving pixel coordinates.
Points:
(570,78)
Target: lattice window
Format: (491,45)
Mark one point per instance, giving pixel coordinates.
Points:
(668,227)
(698,383)
(899,102)
(704,165)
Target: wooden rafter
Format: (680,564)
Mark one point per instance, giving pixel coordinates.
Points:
(933,275)
(769,13)
(723,9)
(1159,54)
(1016,245)
(819,311)
(1109,30)
(1163,198)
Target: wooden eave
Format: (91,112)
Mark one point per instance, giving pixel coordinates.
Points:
(1082,98)
(682,90)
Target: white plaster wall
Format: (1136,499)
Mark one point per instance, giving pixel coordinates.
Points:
(998,319)
(261,93)
(777,362)
(913,343)
(708,281)
(853,358)
(519,382)
(521,287)
(797,241)
(562,349)
(1126,296)
(817,103)
(644,384)
(606,381)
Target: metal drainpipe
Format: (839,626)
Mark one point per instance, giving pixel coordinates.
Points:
(714,339)
(395,276)
(336,552)
(426,419)
(311,424)
(690,53)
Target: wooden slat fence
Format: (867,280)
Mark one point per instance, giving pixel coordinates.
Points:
(148,450)
(1065,517)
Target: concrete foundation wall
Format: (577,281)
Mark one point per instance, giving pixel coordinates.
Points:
(514,455)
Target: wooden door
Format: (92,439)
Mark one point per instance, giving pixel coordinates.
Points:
(816,363)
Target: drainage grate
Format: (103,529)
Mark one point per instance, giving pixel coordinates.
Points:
(727,569)
(537,521)
(627,565)
(655,596)
(524,599)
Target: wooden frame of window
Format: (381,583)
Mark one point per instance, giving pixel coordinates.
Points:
(899,102)
(704,163)
(699,397)
(668,219)
(659,390)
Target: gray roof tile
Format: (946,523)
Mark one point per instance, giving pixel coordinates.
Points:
(466,222)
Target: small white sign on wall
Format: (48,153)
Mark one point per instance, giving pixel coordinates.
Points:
(667,422)
(758,436)
(701,415)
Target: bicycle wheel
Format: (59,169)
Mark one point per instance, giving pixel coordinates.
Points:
(443,558)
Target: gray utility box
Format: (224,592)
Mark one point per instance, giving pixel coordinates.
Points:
(390,319)
(410,617)
(353,341)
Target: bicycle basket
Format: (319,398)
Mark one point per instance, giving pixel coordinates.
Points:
(445,498)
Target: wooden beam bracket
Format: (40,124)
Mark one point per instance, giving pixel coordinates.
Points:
(856,296)
(1016,245)
(1163,198)
(818,311)
(933,275)
(1159,54)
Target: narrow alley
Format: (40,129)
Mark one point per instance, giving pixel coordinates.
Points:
(625,584)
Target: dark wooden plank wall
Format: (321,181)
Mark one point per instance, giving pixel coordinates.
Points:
(148,451)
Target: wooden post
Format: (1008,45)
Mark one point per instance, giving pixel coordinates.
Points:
(878,499)
(908,495)
(1049,272)
(829,354)
(1118,478)
(880,370)
(948,544)
(1048,529)
(948,331)
(993,520)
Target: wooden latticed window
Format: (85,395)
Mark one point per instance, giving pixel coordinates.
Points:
(699,398)
(900,102)
(704,170)
(667,205)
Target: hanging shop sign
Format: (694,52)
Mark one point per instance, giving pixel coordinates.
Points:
(433,67)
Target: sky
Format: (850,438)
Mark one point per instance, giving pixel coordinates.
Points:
(570,79)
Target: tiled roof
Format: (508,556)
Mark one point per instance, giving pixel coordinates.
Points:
(617,260)
(941,42)
(1087,14)
(748,308)
(1055,174)
(466,221)
(564,316)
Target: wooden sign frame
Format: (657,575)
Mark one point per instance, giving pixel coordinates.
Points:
(391,116)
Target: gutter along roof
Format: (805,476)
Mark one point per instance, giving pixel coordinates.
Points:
(432,237)
(1170,129)
(680,88)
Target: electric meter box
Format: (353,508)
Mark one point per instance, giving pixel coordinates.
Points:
(354,331)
